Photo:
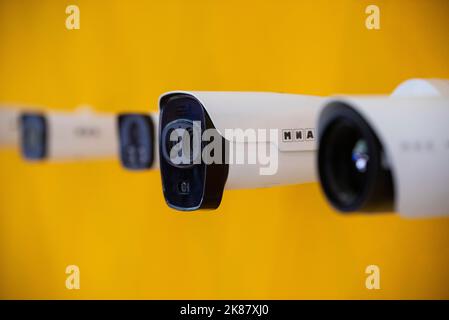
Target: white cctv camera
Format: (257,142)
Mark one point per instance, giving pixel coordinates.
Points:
(9,135)
(211,141)
(56,135)
(138,140)
(387,153)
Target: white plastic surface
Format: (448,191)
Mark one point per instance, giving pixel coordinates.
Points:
(82,134)
(155,117)
(422,88)
(9,122)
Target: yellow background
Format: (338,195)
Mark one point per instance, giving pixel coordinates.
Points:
(275,243)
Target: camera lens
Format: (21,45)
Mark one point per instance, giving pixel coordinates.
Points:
(136,141)
(352,165)
(181,142)
(34,136)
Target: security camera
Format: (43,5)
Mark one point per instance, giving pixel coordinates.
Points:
(9,126)
(209,141)
(391,153)
(138,142)
(82,134)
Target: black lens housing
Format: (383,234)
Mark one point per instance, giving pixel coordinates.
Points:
(34,136)
(348,190)
(197,185)
(136,136)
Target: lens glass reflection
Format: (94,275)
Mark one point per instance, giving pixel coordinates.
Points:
(182,143)
(348,155)
(360,155)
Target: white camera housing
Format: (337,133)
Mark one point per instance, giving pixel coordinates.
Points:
(388,153)
(289,123)
(57,135)
(9,122)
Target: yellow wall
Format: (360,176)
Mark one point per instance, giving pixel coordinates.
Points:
(276,243)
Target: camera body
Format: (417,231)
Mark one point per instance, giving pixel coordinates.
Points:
(58,135)
(9,132)
(138,140)
(258,140)
(384,153)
